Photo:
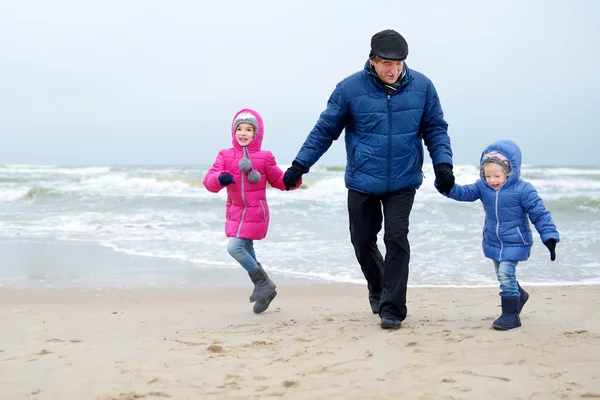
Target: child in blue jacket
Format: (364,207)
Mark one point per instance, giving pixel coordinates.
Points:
(508,201)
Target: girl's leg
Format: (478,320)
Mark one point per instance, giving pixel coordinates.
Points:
(237,248)
(242,250)
(506,273)
(261,305)
(509,295)
(250,249)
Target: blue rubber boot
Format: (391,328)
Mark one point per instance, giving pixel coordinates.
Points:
(524,297)
(510,316)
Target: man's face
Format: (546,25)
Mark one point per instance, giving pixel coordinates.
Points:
(387,70)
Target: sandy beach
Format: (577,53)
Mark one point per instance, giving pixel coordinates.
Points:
(316,342)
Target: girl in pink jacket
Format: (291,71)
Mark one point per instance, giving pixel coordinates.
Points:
(245,170)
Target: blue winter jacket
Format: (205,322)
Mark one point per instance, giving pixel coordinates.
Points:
(506,232)
(383,133)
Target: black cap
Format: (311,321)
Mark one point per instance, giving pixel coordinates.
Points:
(389,45)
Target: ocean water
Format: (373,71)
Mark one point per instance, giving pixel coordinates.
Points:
(162,217)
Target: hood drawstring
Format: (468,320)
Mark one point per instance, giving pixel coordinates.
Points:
(246,165)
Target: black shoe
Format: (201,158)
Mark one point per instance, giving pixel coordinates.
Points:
(390,323)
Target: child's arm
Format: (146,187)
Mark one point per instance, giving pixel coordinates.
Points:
(211,179)
(275,174)
(538,214)
(468,192)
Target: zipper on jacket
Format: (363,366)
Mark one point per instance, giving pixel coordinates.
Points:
(244,153)
(389,158)
(498,225)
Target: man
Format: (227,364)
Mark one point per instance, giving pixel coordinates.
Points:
(387,110)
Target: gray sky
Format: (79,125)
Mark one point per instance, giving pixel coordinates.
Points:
(157,82)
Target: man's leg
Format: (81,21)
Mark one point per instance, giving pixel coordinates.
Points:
(396,209)
(364,212)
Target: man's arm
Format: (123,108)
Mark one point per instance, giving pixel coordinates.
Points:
(434,129)
(327,129)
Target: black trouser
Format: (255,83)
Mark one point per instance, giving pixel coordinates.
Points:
(387,277)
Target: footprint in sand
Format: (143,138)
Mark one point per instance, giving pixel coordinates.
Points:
(55,340)
(471,373)
(462,389)
(576,334)
(302,339)
(260,343)
(133,396)
(518,362)
(215,348)
(188,343)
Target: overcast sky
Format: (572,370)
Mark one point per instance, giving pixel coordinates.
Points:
(157,82)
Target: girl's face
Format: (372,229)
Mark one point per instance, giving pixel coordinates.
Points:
(495,175)
(244,134)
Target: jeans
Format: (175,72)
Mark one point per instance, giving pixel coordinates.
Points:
(506,274)
(387,277)
(242,250)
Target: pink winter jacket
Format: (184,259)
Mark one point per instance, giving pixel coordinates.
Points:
(247,212)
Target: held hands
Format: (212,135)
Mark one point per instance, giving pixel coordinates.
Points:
(226,179)
(293,175)
(444,177)
(551,245)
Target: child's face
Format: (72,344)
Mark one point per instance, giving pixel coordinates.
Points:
(494,174)
(244,134)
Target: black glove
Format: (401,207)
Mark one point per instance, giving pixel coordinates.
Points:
(226,179)
(444,178)
(551,245)
(293,175)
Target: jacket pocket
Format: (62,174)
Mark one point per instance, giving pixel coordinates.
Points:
(352,157)
(265,209)
(522,237)
(420,156)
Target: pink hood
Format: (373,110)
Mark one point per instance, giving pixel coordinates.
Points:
(247,212)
